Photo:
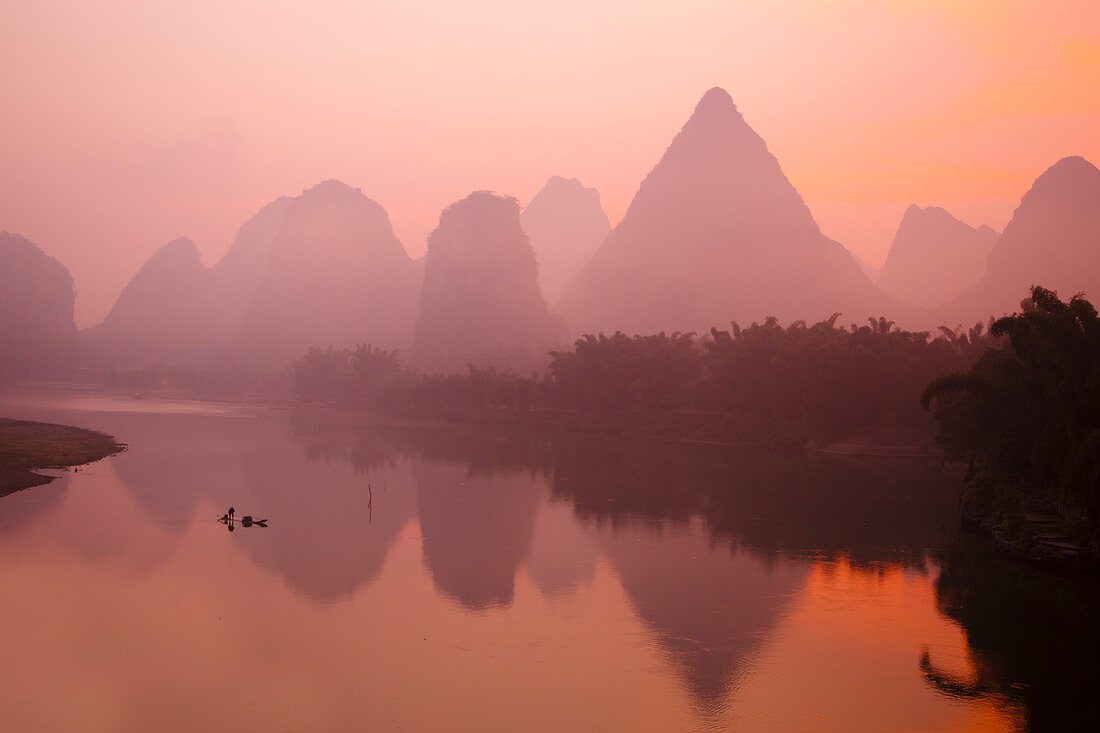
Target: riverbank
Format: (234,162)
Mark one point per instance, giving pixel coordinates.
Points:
(672,426)
(27,446)
(1038,536)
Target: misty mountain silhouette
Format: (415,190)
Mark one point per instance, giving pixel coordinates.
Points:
(177,312)
(165,314)
(242,267)
(1053,240)
(322,268)
(336,274)
(566,225)
(37,332)
(934,257)
(717,232)
(480,300)
(866,267)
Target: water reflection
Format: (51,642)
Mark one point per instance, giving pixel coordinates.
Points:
(563,554)
(231,520)
(868,511)
(22,509)
(710,605)
(333,532)
(710,545)
(77,524)
(1034,634)
(477,526)
(747,578)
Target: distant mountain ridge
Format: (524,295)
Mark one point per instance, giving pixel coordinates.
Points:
(715,232)
(165,314)
(934,257)
(565,224)
(335,274)
(317,269)
(1053,240)
(37,332)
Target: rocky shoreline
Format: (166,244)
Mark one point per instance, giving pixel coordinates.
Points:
(1040,538)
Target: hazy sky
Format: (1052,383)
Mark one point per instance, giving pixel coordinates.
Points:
(126,124)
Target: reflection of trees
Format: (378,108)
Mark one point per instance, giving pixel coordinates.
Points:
(484,450)
(885,510)
(711,593)
(365,449)
(951,684)
(1033,633)
(712,598)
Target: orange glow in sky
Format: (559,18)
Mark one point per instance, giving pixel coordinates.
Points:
(127,124)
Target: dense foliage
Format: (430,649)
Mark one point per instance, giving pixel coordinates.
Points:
(1026,416)
(770,383)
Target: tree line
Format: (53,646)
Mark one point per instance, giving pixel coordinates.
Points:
(1025,417)
(779,384)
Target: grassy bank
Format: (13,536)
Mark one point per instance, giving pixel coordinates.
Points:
(25,446)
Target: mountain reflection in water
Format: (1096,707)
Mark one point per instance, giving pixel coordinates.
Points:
(777,590)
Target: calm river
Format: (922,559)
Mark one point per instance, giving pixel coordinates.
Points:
(451,579)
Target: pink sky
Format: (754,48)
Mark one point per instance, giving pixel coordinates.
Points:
(127,124)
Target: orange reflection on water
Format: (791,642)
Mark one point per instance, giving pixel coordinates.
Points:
(851,644)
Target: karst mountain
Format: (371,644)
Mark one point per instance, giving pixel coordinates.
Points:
(566,224)
(934,257)
(717,232)
(481,302)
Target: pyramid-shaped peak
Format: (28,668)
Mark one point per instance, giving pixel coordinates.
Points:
(716,101)
(715,231)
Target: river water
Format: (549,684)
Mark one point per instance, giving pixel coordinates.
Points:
(455,579)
